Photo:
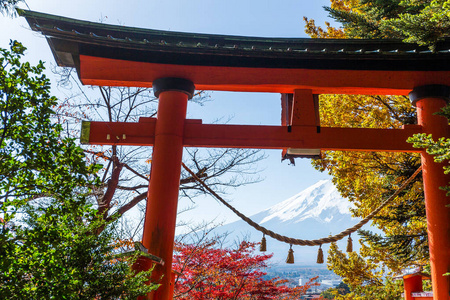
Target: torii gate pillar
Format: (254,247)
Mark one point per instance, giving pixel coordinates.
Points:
(430,99)
(161,212)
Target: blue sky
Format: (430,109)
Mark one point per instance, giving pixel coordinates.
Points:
(282,18)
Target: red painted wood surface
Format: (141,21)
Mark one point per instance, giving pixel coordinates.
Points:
(412,284)
(162,199)
(438,215)
(113,72)
(259,136)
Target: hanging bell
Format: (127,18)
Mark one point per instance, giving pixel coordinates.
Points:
(349,244)
(320,255)
(263,246)
(290,257)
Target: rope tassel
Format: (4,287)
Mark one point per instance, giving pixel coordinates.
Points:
(320,255)
(290,257)
(349,244)
(263,246)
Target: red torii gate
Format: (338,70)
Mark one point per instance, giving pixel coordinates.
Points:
(171,62)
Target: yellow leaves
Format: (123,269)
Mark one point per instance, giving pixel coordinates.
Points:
(347,5)
(368,178)
(353,268)
(361,111)
(364,176)
(318,32)
(330,32)
(340,4)
(128,244)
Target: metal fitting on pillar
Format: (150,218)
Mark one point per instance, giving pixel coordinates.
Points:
(430,91)
(173,84)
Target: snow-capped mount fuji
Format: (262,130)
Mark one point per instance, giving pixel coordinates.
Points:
(320,202)
(316,212)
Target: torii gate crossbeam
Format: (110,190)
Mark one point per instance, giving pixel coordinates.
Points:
(172,62)
(196,134)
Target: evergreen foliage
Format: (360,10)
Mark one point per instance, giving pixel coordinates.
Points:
(422,22)
(50,239)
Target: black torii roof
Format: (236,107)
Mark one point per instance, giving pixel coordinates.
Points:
(68,38)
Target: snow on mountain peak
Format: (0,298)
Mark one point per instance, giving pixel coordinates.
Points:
(320,201)
(316,212)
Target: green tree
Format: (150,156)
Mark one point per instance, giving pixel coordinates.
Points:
(34,161)
(50,242)
(55,254)
(422,22)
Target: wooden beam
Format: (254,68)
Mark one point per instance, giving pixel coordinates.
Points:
(255,136)
(305,109)
(115,72)
(140,133)
(301,137)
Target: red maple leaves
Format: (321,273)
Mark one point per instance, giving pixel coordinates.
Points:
(210,272)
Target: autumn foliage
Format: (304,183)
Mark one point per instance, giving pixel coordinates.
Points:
(207,271)
(365,178)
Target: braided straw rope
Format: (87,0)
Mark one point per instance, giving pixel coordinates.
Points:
(300,242)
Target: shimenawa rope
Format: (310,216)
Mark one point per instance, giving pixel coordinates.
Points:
(301,242)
